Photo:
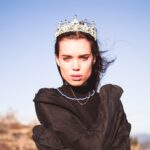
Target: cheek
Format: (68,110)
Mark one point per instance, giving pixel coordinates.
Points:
(64,67)
(88,65)
(87,68)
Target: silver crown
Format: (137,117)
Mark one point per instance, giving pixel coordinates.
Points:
(75,25)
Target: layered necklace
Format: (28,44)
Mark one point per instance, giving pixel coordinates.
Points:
(82,100)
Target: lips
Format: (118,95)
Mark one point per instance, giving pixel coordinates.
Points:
(76,77)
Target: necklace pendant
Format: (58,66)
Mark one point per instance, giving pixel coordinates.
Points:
(81,103)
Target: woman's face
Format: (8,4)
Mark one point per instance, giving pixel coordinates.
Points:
(75,60)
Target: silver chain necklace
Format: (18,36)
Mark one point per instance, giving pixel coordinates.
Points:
(75,97)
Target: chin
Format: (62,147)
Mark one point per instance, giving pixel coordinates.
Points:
(76,83)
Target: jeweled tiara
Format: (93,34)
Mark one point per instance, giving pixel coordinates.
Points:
(75,25)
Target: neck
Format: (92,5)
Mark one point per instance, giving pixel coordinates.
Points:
(79,90)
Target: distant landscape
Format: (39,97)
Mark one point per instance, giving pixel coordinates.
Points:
(16,136)
(143,139)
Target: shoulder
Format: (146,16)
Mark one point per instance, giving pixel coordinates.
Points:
(111,91)
(45,94)
(51,97)
(110,95)
(110,98)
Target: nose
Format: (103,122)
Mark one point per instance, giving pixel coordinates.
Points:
(75,65)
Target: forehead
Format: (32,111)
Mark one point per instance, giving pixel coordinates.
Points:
(74,46)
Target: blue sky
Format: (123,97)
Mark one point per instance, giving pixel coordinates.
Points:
(27,51)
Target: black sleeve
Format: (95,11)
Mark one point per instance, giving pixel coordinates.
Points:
(121,127)
(46,139)
(121,139)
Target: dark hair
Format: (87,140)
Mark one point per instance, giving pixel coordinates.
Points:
(101,63)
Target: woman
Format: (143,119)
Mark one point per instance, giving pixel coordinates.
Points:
(76,116)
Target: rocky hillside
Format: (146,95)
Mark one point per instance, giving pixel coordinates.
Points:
(135,145)
(14,135)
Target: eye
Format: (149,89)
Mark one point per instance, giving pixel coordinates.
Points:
(66,58)
(84,58)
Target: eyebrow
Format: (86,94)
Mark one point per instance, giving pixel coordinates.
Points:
(82,55)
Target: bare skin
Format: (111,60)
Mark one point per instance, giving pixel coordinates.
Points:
(75,60)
